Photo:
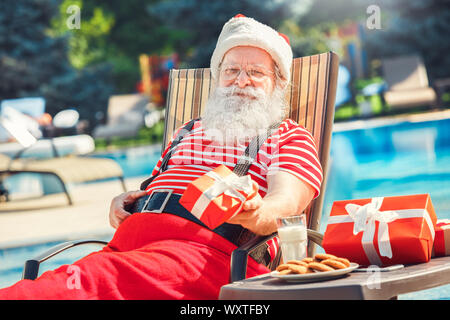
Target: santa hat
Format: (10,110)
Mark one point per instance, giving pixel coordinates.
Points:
(244,31)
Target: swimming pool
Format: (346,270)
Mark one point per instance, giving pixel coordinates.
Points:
(392,158)
(396,158)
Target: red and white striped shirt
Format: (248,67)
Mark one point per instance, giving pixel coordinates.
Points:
(291,148)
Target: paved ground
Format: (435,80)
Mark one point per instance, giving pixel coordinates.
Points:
(25,222)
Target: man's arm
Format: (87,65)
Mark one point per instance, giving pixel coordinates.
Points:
(287,195)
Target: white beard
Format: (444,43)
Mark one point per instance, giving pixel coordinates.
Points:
(233,115)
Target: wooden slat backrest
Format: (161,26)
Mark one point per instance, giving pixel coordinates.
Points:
(311,98)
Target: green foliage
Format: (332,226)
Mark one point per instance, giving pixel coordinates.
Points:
(203,20)
(133,33)
(362,83)
(305,41)
(28,57)
(34,62)
(81,68)
(415,27)
(88,42)
(326,14)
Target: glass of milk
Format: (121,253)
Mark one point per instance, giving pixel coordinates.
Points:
(293,237)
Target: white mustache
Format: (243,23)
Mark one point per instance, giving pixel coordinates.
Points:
(237,114)
(254,93)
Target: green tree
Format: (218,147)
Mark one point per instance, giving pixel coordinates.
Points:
(116,32)
(415,27)
(86,43)
(202,20)
(33,62)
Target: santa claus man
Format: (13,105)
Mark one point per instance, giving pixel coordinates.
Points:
(172,255)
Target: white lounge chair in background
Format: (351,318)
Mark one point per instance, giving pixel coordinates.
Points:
(126,115)
(67,169)
(407,82)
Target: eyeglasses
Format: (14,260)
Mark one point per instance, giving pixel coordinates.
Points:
(255,73)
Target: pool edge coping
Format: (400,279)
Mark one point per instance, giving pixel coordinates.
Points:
(392,120)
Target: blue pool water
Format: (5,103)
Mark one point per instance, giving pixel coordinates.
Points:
(392,159)
(136,162)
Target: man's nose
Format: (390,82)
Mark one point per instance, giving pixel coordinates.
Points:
(243,79)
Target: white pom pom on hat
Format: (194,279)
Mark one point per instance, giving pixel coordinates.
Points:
(244,31)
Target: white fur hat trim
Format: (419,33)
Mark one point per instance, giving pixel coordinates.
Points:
(245,31)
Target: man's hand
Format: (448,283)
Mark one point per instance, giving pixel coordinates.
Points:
(287,195)
(249,216)
(117,213)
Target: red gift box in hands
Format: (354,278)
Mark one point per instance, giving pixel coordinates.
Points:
(218,195)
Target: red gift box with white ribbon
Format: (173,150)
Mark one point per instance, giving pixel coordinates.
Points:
(218,195)
(382,231)
(441,245)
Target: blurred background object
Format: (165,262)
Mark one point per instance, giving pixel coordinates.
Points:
(124,48)
(24,112)
(125,116)
(407,82)
(155,76)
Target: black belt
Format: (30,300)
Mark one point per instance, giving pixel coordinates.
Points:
(164,201)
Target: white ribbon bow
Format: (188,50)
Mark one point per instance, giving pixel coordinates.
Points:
(364,218)
(227,185)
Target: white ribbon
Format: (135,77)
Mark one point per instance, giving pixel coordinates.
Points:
(364,218)
(227,185)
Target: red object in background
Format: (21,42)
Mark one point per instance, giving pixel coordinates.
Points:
(410,234)
(157,68)
(441,245)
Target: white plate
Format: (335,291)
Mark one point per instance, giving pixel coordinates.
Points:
(317,276)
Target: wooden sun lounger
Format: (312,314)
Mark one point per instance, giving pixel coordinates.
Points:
(407,82)
(125,117)
(67,169)
(311,103)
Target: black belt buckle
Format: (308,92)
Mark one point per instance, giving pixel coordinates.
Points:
(163,205)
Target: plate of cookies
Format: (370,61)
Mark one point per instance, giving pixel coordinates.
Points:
(321,267)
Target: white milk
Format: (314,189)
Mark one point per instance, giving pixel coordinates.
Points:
(293,242)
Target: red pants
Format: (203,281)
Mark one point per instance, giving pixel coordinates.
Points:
(152,256)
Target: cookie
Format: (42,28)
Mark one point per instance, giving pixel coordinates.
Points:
(282,267)
(344,261)
(298,269)
(323,256)
(285,272)
(308,260)
(319,266)
(297,262)
(334,263)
